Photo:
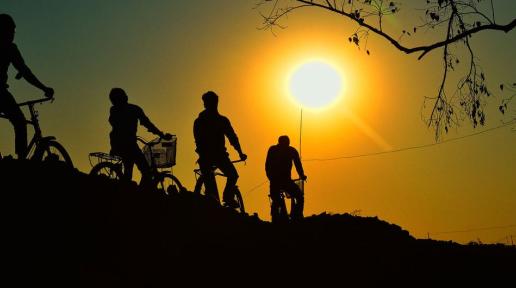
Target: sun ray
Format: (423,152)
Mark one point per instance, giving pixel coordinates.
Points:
(369,131)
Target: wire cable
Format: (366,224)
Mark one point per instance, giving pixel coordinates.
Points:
(410,147)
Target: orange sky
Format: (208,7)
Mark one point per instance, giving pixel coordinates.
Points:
(166,54)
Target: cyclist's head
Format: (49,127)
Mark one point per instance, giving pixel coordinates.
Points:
(7,28)
(118,96)
(284,140)
(211,100)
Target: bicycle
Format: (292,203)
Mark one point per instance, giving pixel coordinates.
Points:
(160,154)
(200,187)
(43,148)
(279,211)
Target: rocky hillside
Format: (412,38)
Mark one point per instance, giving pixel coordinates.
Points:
(122,236)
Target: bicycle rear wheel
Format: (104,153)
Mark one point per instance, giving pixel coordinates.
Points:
(169,184)
(107,170)
(52,151)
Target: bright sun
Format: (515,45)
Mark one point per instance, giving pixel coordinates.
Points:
(316,84)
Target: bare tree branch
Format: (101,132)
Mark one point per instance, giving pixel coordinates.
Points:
(426,48)
(463,19)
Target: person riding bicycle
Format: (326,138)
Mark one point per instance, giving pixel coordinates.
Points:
(11,55)
(210,130)
(278,166)
(124,118)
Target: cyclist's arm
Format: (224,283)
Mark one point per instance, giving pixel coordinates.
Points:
(24,70)
(232,137)
(297,163)
(145,122)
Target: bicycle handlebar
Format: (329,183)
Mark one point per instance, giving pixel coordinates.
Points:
(143,141)
(198,170)
(152,142)
(32,102)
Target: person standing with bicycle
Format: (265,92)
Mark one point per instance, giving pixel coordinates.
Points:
(11,55)
(278,167)
(210,130)
(124,118)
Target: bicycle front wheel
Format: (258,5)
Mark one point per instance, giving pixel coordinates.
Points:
(169,184)
(279,213)
(239,200)
(200,189)
(107,170)
(199,186)
(52,151)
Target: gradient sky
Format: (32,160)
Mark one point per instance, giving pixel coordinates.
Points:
(165,54)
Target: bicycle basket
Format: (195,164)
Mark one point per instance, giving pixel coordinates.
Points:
(97,157)
(163,153)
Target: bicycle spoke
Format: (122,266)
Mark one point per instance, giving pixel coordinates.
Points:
(55,152)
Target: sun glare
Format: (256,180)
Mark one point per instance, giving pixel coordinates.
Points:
(316,84)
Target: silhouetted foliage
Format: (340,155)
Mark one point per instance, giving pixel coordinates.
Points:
(460,20)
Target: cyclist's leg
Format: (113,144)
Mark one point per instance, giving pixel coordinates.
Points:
(127,159)
(128,163)
(143,166)
(209,178)
(13,112)
(296,193)
(229,170)
(274,191)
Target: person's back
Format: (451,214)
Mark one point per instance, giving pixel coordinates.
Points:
(278,167)
(124,121)
(210,130)
(279,162)
(8,106)
(11,55)
(8,52)
(124,118)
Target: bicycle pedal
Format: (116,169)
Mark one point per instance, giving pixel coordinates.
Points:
(234,206)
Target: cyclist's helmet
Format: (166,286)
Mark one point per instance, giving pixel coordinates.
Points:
(284,140)
(7,27)
(210,99)
(118,96)
(7,21)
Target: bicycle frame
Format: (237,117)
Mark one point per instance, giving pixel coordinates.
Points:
(199,183)
(37,137)
(162,180)
(199,176)
(282,212)
(116,160)
(198,172)
(159,174)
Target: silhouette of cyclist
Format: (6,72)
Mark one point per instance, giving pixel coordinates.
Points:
(210,130)
(278,166)
(11,55)
(124,118)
